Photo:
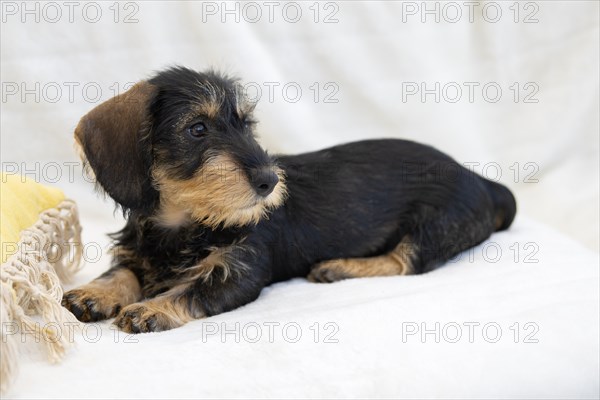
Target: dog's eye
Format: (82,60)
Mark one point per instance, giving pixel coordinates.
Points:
(248,123)
(197,130)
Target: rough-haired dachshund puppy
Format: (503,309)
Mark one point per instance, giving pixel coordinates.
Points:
(212,218)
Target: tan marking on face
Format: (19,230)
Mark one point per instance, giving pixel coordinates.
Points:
(210,101)
(209,108)
(396,262)
(105,295)
(218,194)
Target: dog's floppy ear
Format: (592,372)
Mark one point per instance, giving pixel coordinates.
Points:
(114,140)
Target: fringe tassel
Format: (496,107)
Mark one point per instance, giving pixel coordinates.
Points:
(48,253)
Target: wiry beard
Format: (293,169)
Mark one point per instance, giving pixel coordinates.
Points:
(218,195)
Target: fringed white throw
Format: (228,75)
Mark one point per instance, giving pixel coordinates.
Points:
(47,254)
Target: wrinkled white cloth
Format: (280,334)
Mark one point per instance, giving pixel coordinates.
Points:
(483,325)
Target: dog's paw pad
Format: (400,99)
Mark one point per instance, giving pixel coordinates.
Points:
(89,305)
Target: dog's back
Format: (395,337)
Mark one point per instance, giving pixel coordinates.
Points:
(361,199)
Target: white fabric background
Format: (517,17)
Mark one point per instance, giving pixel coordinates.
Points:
(369,53)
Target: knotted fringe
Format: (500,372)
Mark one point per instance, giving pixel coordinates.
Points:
(48,253)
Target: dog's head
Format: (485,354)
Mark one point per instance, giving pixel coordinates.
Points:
(181,147)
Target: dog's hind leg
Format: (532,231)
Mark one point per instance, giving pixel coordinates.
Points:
(399,261)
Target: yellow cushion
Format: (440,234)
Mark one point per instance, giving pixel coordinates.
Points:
(21,202)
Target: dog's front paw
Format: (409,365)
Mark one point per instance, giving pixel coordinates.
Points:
(328,271)
(142,318)
(90,304)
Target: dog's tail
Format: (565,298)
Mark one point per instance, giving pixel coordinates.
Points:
(505,205)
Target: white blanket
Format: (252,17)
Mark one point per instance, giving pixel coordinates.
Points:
(371,60)
(482,326)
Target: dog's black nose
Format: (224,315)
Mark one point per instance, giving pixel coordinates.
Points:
(264,181)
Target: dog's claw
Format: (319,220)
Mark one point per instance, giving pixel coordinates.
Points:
(137,318)
(87,306)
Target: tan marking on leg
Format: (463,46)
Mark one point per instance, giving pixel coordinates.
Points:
(103,297)
(166,311)
(227,259)
(396,262)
